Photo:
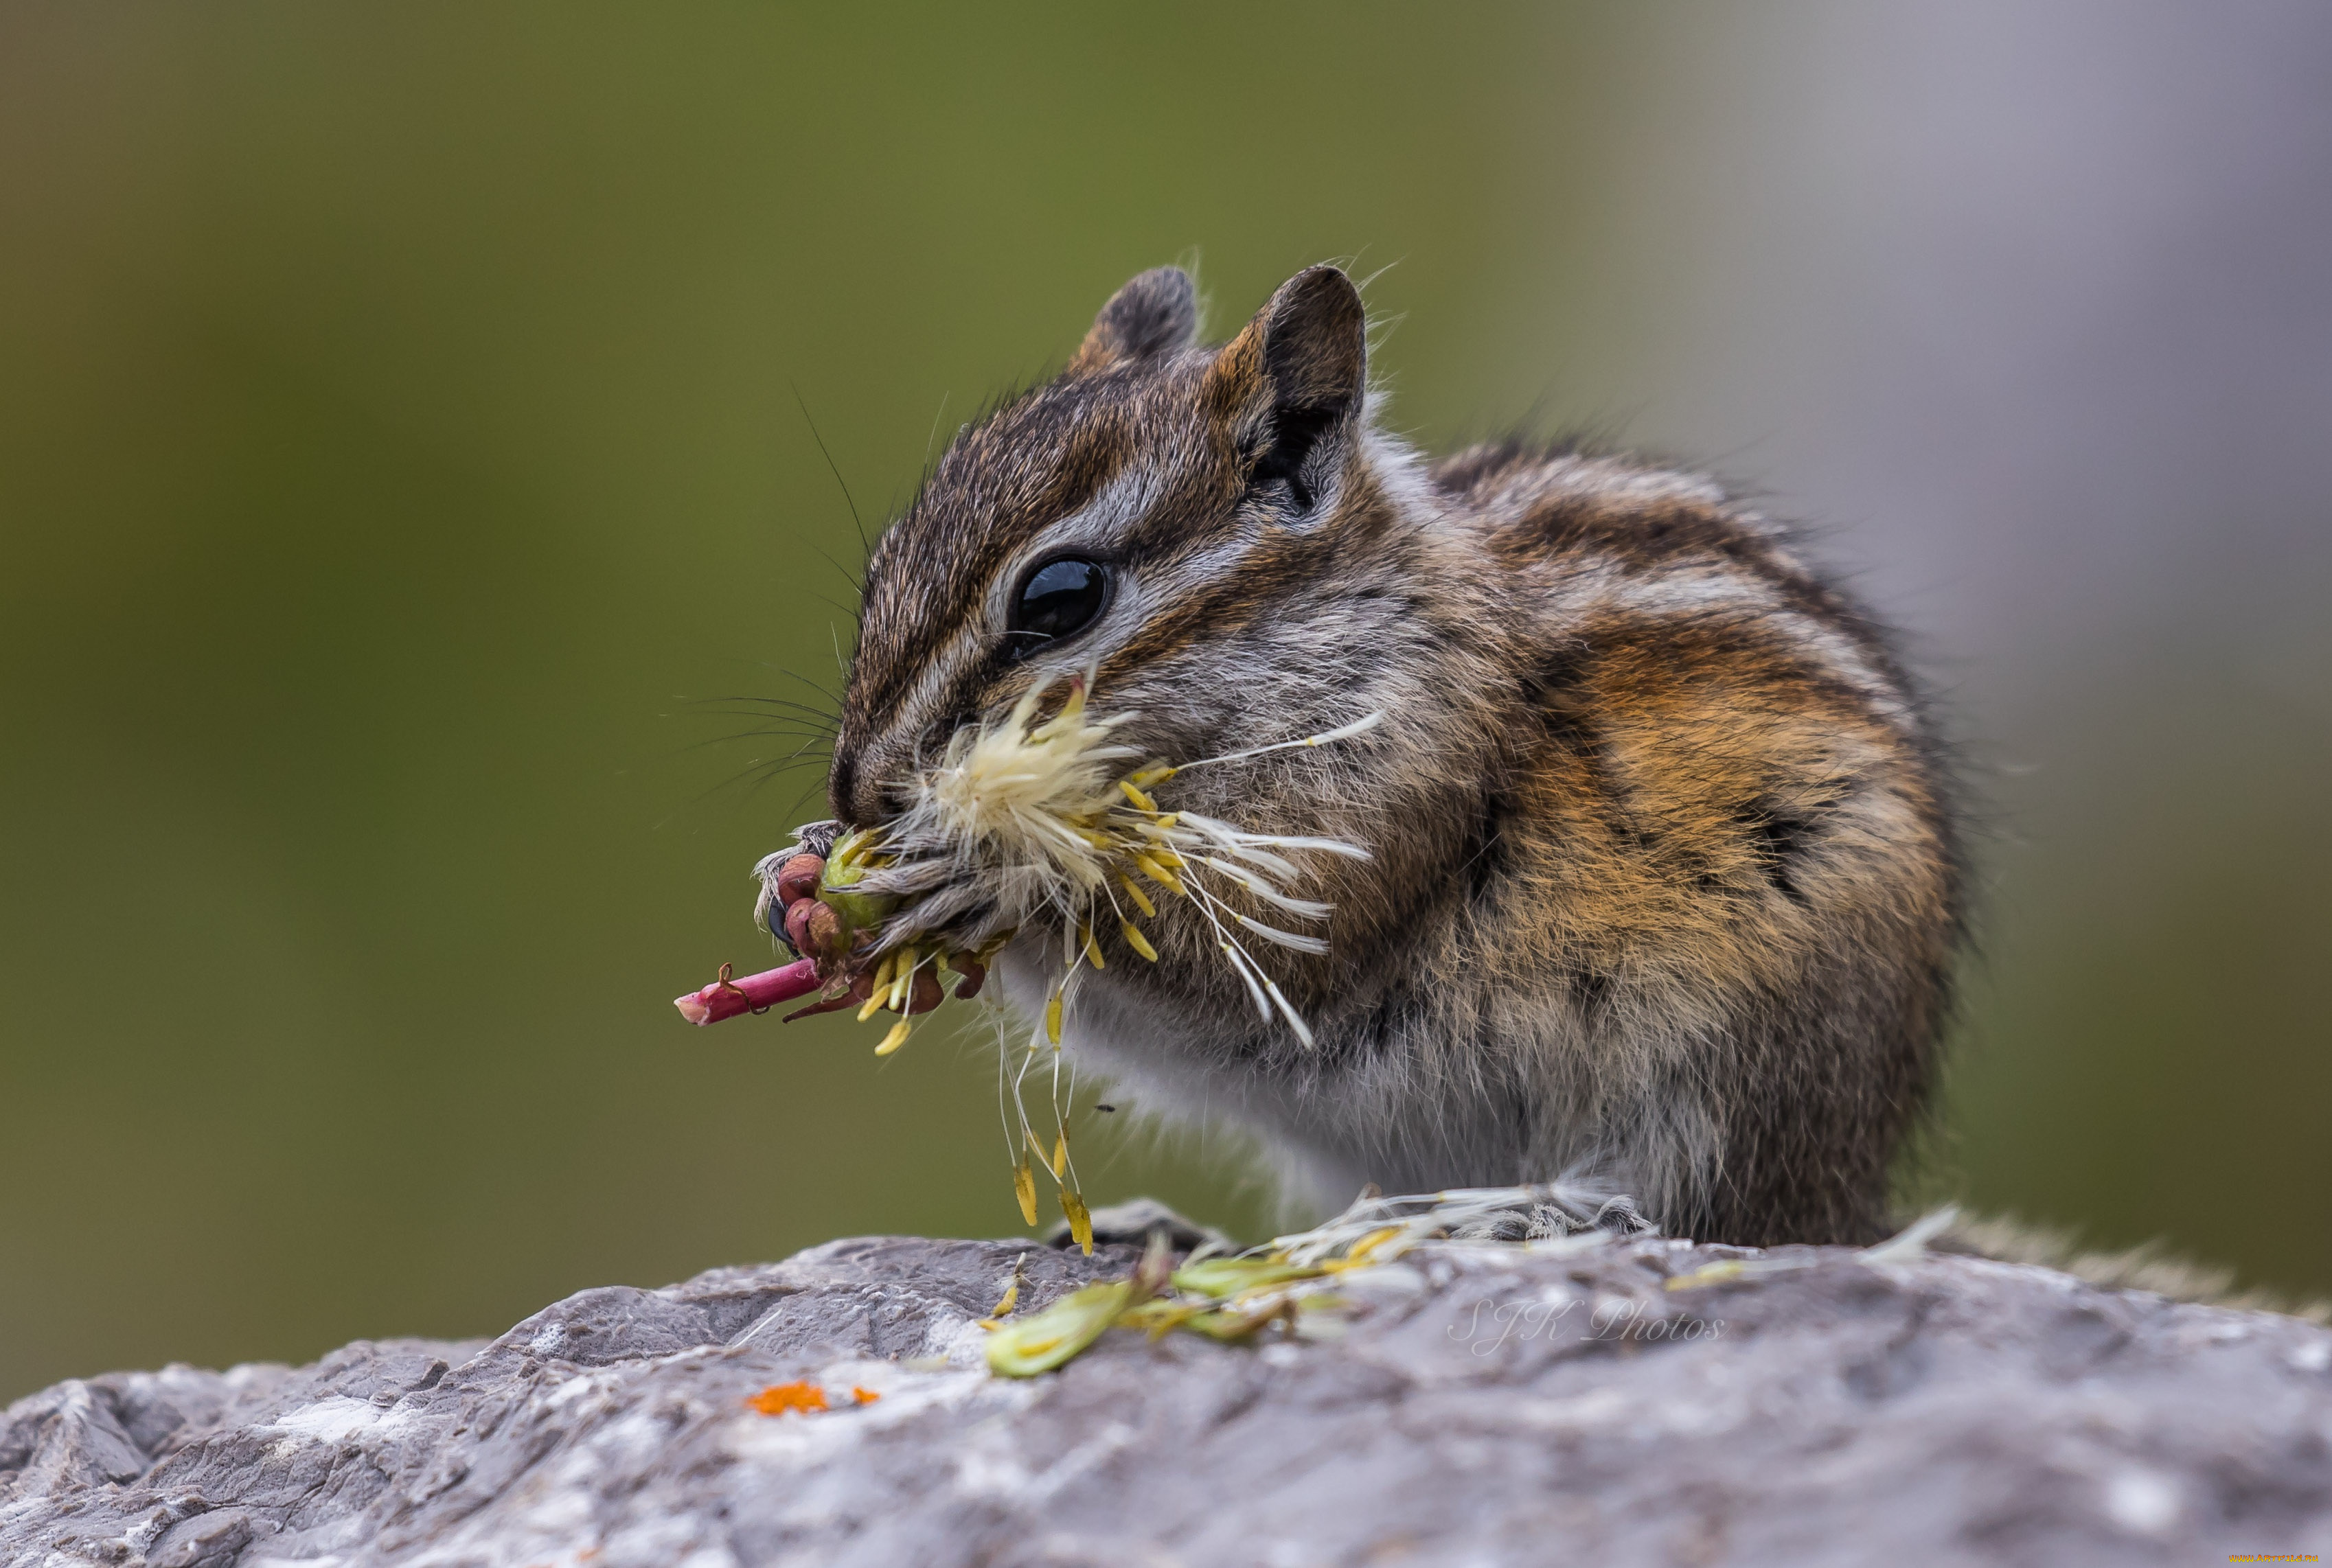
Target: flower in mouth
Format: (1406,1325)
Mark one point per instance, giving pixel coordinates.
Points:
(1025,823)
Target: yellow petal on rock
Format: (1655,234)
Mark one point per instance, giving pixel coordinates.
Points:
(1080,1221)
(1222,1277)
(1711,1274)
(1359,1253)
(1026,1346)
(895,1039)
(1141,900)
(1138,942)
(1024,1187)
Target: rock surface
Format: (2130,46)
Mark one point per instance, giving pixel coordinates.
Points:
(1483,1406)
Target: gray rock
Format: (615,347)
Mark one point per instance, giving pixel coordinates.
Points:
(1483,1406)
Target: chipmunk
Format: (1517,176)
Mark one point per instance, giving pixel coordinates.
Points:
(1663,880)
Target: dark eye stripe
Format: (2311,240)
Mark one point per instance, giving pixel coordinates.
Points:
(1060,599)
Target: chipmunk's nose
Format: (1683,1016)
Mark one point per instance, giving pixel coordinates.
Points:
(868,782)
(876,767)
(848,791)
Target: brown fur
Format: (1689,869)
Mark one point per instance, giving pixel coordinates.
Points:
(1665,889)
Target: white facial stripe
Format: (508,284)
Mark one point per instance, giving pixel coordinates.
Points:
(1100,523)
(1096,526)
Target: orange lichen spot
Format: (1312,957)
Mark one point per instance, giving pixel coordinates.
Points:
(864,1395)
(780,1397)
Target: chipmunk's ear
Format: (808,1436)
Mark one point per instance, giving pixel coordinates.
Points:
(1155,312)
(1290,387)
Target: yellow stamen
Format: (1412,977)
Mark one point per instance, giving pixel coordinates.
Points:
(895,1039)
(1080,1221)
(1093,948)
(1011,1297)
(1136,796)
(884,970)
(1141,900)
(1153,776)
(874,1005)
(1060,1155)
(1052,1024)
(1157,873)
(1024,1187)
(1138,942)
(1049,1161)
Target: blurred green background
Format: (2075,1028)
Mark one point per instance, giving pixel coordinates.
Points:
(400,455)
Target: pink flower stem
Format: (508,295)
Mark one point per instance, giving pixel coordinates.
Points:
(726,998)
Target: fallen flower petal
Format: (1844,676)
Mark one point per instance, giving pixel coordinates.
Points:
(1040,1343)
(1221,1276)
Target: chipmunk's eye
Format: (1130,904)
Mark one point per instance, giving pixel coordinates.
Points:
(1060,599)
